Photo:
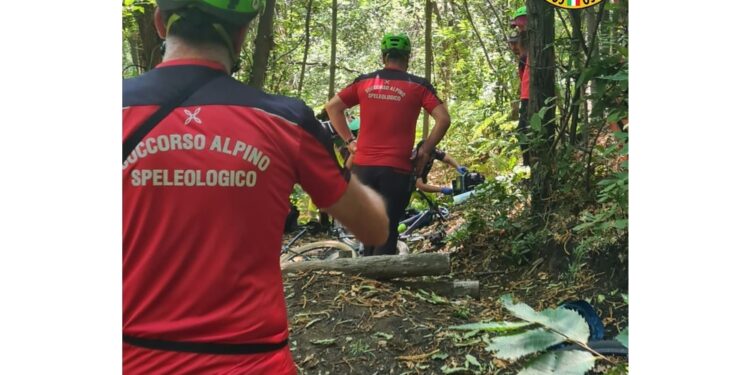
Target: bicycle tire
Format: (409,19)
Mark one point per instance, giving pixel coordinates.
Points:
(308,251)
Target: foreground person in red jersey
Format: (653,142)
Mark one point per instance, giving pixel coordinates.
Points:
(208,167)
(390,100)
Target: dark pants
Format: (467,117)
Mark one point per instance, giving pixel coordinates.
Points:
(523,127)
(394,186)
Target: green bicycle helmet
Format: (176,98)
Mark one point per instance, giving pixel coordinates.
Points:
(237,12)
(231,12)
(520,12)
(354,125)
(396,43)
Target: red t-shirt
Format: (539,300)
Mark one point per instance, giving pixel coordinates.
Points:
(525,80)
(390,101)
(205,196)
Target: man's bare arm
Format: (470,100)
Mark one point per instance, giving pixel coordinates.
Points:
(427,188)
(442,123)
(450,161)
(335,108)
(362,211)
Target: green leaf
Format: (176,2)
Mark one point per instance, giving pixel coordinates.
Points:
(562,320)
(453,370)
(621,224)
(439,356)
(536,122)
(582,226)
(529,342)
(623,337)
(616,116)
(586,76)
(499,327)
(619,76)
(574,362)
(470,359)
(624,150)
(324,342)
(621,136)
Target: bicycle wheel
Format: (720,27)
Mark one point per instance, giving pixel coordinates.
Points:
(321,250)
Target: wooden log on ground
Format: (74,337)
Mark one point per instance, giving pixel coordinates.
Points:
(381,266)
(446,288)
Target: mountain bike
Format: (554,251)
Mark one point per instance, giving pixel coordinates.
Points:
(408,227)
(345,246)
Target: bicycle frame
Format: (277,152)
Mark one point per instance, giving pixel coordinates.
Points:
(413,222)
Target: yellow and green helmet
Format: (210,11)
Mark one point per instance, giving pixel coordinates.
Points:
(399,43)
(237,12)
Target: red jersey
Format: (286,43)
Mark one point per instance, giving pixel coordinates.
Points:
(390,101)
(525,80)
(205,196)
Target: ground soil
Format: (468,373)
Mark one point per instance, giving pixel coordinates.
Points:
(343,324)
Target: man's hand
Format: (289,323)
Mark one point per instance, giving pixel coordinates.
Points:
(462,170)
(421,158)
(352,146)
(446,190)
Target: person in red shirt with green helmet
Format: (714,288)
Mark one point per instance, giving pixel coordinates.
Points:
(208,167)
(519,21)
(390,101)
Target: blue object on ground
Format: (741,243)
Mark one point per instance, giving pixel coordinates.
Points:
(596,327)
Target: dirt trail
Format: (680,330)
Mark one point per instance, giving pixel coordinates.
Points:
(343,324)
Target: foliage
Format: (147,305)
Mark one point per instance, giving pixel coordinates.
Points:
(498,327)
(566,362)
(586,172)
(539,331)
(623,337)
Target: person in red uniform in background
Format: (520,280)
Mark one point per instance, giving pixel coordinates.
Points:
(208,167)
(519,21)
(390,100)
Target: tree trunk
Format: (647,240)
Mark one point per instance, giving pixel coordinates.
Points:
(577,44)
(379,267)
(447,288)
(541,30)
(150,56)
(307,48)
(263,47)
(427,60)
(332,71)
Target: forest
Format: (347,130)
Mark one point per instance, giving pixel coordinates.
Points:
(546,242)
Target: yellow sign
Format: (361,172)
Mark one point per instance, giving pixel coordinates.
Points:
(574,4)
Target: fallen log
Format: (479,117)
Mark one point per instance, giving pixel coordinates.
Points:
(379,267)
(445,288)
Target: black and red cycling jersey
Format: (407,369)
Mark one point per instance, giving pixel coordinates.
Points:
(205,197)
(390,101)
